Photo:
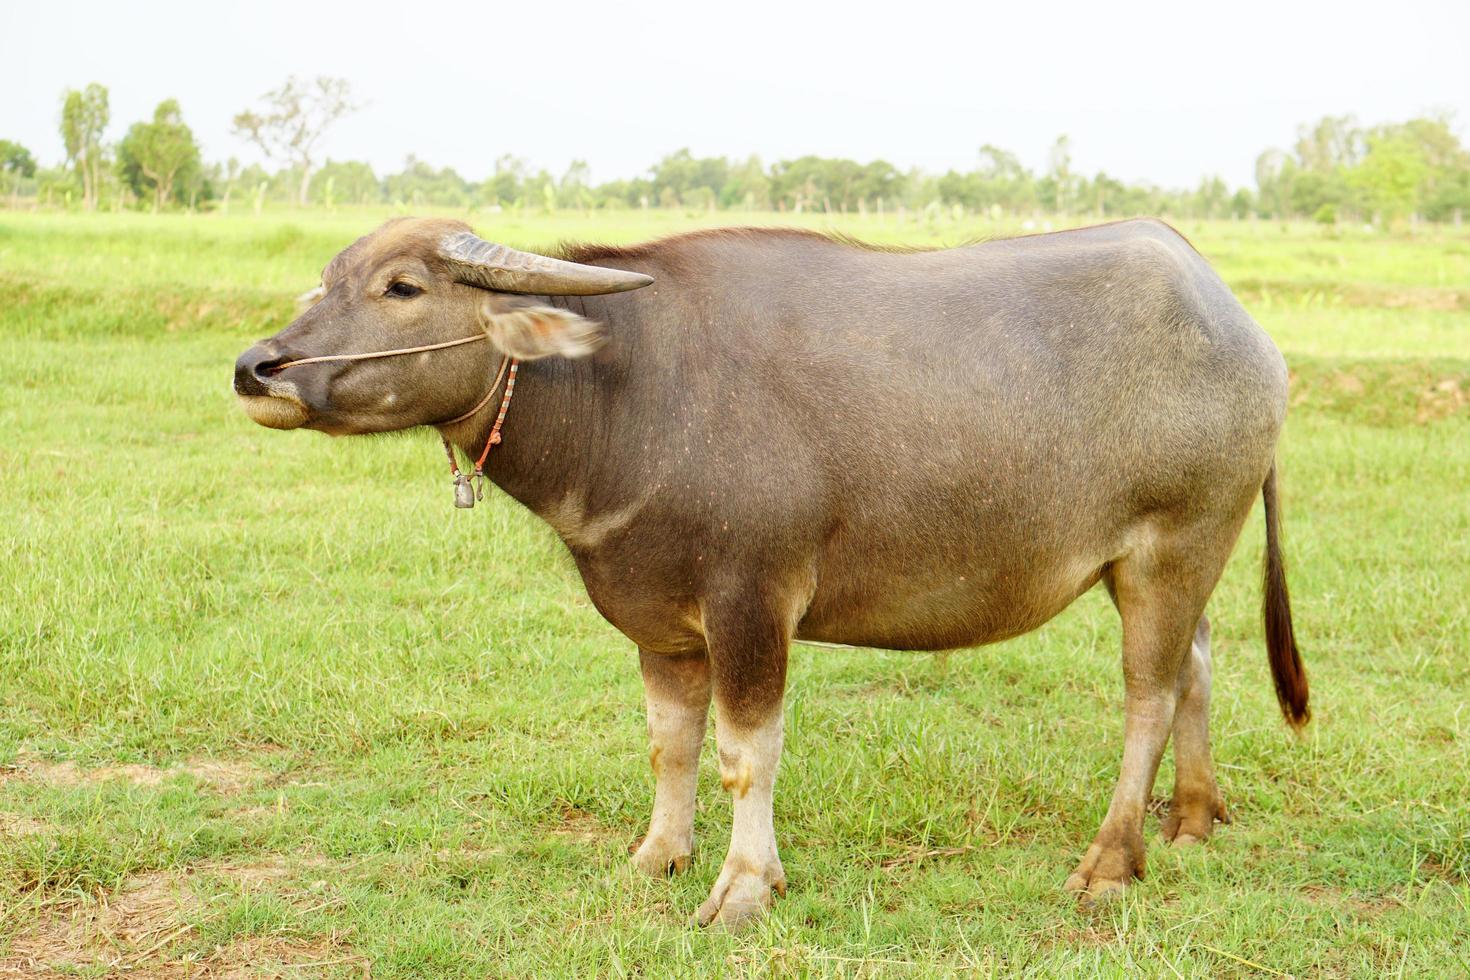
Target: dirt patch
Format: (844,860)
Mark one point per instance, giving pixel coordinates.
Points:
(1455,872)
(1441,299)
(270,868)
(476,852)
(127,928)
(1090,937)
(20,825)
(1383,392)
(579,825)
(261,812)
(1442,399)
(274,957)
(1372,906)
(1433,298)
(920,855)
(1361,905)
(148,928)
(225,776)
(219,775)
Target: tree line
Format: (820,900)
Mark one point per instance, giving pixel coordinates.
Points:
(1337,170)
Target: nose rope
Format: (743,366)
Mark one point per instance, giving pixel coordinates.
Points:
(467,489)
(378,353)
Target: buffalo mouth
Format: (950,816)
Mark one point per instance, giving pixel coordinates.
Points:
(274,411)
(269,400)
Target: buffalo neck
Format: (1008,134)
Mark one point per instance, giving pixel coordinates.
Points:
(555,427)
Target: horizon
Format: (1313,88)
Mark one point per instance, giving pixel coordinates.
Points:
(1120,117)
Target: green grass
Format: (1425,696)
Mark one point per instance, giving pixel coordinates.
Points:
(437,747)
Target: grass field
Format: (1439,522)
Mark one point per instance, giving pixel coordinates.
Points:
(269,705)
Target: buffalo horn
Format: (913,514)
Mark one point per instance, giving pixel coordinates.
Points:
(477,262)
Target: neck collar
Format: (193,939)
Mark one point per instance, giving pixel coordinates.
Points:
(468,489)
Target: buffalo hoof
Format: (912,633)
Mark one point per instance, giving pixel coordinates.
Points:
(741,896)
(660,857)
(1191,820)
(1095,888)
(1110,864)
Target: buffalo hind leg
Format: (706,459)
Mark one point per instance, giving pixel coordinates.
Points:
(1197,803)
(748,643)
(677,690)
(1160,595)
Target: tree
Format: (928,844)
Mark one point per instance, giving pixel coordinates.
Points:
(159,152)
(964,189)
(84,116)
(419,184)
(1004,181)
(1061,171)
(1274,173)
(1211,199)
(1386,172)
(293,121)
(16,159)
(682,178)
(795,183)
(351,180)
(16,163)
(1390,176)
(227,175)
(254,180)
(575,190)
(1332,143)
(1108,194)
(1444,189)
(1315,194)
(747,185)
(507,184)
(1242,205)
(637,192)
(56,182)
(878,180)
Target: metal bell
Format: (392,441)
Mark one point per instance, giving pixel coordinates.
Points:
(464,491)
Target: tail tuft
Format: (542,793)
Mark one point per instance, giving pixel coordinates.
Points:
(1281,650)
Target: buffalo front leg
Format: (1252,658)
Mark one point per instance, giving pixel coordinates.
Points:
(677,690)
(1160,598)
(748,645)
(1197,803)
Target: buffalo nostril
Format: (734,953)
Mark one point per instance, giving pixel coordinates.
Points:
(265,369)
(254,367)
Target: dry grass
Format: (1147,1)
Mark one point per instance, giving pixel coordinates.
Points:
(19,825)
(220,776)
(150,926)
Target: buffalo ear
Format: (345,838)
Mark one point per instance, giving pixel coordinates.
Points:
(309,298)
(529,332)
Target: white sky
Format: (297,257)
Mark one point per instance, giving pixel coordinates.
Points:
(1166,92)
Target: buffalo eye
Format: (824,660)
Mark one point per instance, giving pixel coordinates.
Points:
(403,290)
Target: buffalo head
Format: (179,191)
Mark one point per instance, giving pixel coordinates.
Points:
(416,283)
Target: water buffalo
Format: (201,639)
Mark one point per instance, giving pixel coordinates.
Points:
(751,436)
